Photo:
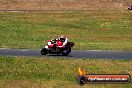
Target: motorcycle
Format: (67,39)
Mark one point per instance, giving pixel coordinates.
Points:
(56,48)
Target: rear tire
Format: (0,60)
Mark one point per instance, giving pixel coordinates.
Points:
(66,51)
(44,51)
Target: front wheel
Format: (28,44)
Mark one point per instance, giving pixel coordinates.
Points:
(66,51)
(44,51)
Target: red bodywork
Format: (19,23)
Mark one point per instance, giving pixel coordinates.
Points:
(58,44)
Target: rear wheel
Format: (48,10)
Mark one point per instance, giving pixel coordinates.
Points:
(44,51)
(66,51)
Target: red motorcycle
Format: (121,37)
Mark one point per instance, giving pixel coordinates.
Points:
(56,47)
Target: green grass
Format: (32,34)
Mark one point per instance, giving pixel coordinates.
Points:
(100,30)
(27,72)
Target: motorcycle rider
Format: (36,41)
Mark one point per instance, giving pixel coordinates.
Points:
(62,39)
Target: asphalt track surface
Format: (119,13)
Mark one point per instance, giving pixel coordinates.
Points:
(76,54)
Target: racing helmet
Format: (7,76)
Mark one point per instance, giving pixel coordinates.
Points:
(62,38)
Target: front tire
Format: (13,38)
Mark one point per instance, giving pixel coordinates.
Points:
(66,51)
(44,51)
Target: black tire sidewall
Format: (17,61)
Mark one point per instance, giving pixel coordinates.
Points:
(66,53)
(44,51)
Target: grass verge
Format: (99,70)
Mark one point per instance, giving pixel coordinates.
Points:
(28,72)
(98,30)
